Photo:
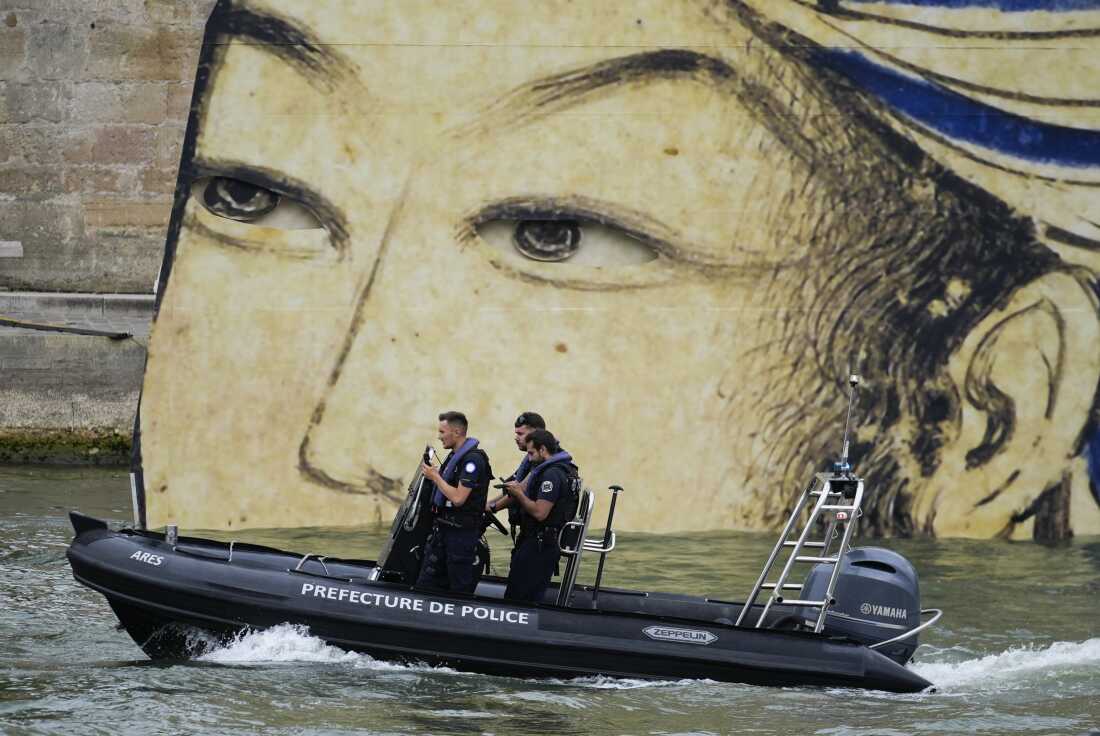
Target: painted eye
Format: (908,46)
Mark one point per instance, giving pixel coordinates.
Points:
(571,242)
(238,200)
(244,201)
(547,240)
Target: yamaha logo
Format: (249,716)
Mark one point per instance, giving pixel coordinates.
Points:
(872,609)
(681,636)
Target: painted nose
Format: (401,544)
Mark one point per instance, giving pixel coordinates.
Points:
(347,429)
(369,429)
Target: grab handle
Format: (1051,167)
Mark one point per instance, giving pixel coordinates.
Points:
(608,542)
(321,559)
(561,532)
(915,630)
(198,552)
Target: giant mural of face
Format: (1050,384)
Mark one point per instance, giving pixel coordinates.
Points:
(667,227)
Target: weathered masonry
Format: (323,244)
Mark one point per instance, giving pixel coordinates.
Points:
(93,102)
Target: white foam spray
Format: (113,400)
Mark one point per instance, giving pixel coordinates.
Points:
(282,643)
(289,644)
(1014,666)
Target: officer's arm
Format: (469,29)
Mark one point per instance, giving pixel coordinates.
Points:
(542,509)
(539,509)
(472,476)
(457,495)
(502,501)
(512,490)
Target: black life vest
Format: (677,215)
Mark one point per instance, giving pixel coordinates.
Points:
(564,509)
(468,515)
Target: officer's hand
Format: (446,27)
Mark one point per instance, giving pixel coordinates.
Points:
(429,472)
(513,488)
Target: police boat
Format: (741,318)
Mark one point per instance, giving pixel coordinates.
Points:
(852,621)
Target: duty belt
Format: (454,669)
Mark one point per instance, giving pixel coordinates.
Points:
(447,520)
(541,535)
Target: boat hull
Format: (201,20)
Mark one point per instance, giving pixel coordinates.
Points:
(179,600)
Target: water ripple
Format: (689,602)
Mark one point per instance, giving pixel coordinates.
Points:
(1004,660)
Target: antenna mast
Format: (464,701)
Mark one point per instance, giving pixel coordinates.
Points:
(853,381)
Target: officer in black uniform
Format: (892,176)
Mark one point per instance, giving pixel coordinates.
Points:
(526,423)
(461,489)
(546,500)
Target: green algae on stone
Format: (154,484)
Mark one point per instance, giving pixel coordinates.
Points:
(65,447)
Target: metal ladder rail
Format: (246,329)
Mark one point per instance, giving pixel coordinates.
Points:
(841,515)
(572,566)
(775,550)
(796,553)
(830,531)
(824,503)
(849,528)
(828,599)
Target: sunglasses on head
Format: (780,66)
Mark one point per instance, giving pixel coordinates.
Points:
(530,419)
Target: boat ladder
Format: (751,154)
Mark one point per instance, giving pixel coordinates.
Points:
(834,499)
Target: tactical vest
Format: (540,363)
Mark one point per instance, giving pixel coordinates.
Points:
(468,515)
(564,509)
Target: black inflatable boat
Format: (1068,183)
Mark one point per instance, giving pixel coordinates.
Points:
(853,624)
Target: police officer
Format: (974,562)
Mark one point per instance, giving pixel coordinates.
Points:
(526,423)
(546,500)
(461,489)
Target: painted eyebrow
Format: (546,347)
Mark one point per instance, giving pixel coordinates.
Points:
(291,43)
(558,92)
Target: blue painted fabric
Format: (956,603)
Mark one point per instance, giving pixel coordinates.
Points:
(962,119)
(1092,454)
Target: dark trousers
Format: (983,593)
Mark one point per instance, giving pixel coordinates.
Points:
(449,557)
(533,565)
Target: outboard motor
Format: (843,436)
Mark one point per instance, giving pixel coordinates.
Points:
(877,598)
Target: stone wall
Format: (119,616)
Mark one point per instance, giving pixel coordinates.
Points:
(94,97)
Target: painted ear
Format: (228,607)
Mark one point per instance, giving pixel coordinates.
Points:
(1028,376)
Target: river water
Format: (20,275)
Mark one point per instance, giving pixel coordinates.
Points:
(1018,650)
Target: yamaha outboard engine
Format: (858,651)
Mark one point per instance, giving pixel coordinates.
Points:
(877,596)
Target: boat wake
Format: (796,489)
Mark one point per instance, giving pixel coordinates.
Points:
(279,644)
(290,644)
(1009,668)
(293,644)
